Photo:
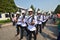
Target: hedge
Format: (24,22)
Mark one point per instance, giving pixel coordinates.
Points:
(4,21)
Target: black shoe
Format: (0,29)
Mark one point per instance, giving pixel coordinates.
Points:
(40,31)
(19,39)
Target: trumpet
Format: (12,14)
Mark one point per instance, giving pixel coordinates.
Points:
(32,20)
(23,18)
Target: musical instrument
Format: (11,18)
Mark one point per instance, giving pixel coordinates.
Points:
(23,18)
(32,20)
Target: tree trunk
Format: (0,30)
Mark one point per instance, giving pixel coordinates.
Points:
(10,16)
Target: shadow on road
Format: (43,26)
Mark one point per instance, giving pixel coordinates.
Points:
(53,29)
(46,36)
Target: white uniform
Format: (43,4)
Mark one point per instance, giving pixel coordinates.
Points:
(40,20)
(31,27)
(43,18)
(47,17)
(18,21)
(36,22)
(23,24)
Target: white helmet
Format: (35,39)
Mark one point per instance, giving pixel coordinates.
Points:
(17,12)
(30,9)
(38,12)
(44,13)
(23,11)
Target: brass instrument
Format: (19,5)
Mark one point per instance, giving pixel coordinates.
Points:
(23,18)
(32,22)
(38,18)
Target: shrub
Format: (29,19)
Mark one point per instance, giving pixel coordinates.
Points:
(5,21)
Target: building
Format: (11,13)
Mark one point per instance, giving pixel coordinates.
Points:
(4,16)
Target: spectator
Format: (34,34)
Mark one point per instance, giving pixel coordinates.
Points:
(58,19)
(14,20)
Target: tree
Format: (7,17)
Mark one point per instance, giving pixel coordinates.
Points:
(33,8)
(57,10)
(7,6)
(38,9)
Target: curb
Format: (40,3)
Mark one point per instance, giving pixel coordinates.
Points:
(7,24)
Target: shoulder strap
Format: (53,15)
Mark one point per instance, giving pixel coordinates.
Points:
(28,18)
(38,17)
(43,17)
(32,18)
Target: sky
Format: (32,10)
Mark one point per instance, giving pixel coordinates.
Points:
(46,5)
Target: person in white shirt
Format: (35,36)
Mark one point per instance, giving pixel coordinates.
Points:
(13,20)
(31,24)
(23,25)
(39,22)
(17,24)
(44,20)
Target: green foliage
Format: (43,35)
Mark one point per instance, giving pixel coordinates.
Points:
(33,8)
(57,10)
(38,9)
(7,6)
(5,21)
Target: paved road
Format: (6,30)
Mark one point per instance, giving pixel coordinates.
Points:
(7,32)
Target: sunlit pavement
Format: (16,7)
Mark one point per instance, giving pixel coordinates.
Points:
(7,32)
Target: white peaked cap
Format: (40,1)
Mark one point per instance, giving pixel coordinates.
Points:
(17,12)
(30,9)
(39,12)
(44,13)
(23,11)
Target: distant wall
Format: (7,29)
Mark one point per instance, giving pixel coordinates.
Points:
(4,16)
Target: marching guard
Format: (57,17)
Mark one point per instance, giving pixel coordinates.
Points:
(23,24)
(17,23)
(44,20)
(39,22)
(31,25)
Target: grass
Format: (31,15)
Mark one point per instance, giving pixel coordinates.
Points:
(4,21)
